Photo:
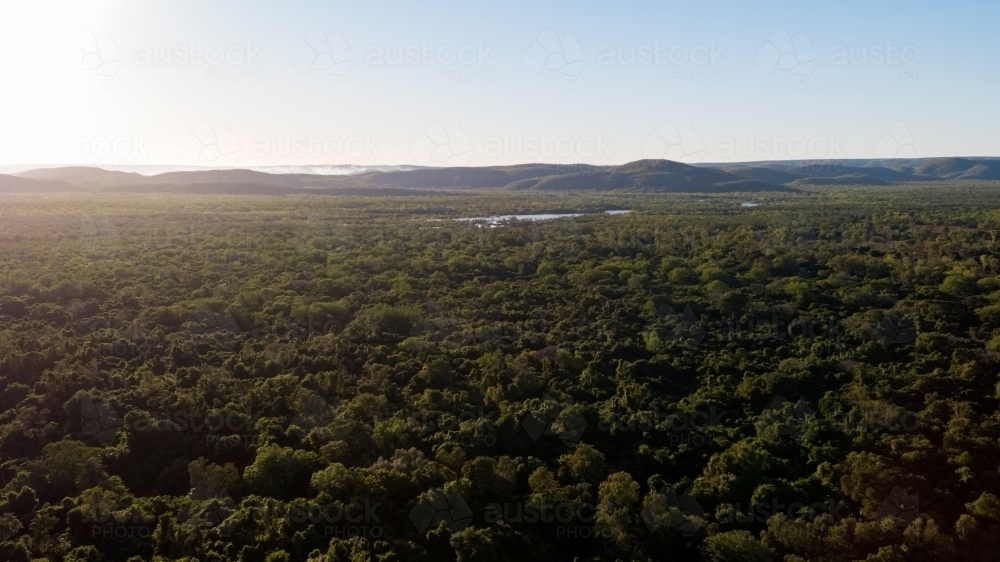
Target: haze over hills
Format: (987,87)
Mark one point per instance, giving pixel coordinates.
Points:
(154,169)
(654,176)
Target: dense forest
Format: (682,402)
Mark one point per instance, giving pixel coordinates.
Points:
(810,376)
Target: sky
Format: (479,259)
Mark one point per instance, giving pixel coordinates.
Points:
(263,83)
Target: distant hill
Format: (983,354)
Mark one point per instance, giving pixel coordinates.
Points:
(764,174)
(154,169)
(84,176)
(846,179)
(652,176)
(97,178)
(9,184)
(240,188)
(644,175)
(870,172)
(852,162)
(467,177)
(958,168)
(662,176)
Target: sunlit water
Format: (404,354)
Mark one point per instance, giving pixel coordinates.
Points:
(497,220)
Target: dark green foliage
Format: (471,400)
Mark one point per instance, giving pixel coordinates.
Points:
(301,378)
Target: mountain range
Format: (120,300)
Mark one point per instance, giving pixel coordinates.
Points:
(657,176)
(867,172)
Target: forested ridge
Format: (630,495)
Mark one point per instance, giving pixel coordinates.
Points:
(651,176)
(257,378)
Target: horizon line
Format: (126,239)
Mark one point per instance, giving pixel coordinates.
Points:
(10,169)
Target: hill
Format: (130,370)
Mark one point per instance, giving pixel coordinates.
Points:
(643,175)
(661,176)
(650,176)
(866,172)
(9,184)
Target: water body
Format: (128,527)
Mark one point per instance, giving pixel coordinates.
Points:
(500,219)
(749,204)
(504,218)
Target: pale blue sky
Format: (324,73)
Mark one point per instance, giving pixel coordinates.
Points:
(111,83)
